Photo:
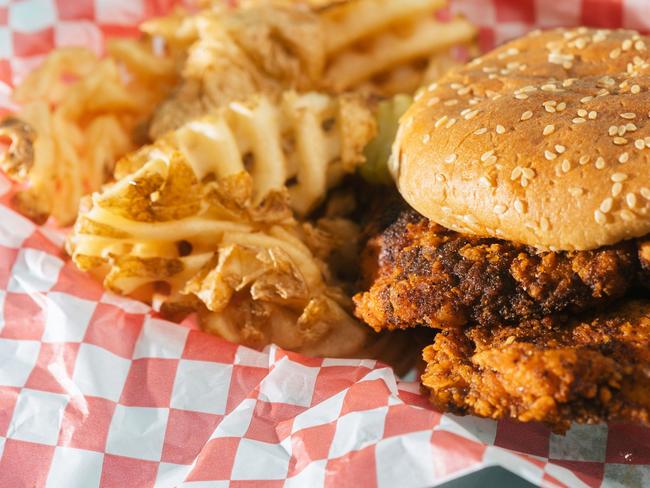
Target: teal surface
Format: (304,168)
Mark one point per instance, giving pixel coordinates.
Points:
(493,477)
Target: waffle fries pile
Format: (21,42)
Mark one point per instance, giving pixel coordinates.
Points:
(193,158)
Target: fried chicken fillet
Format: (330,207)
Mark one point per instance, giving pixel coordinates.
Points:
(588,370)
(421,273)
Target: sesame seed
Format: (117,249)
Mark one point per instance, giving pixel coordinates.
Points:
(639,144)
(627,215)
(432,101)
(451,102)
(600,36)
(645,192)
(635,89)
(432,86)
(426,138)
(465,111)
(592,115)
(627,44)
(550,155)
(471,115)
(516,173)
(620,141)
(630,199)
(621,130)
(491,160)
(618,177)
(480,131)
(561,106)
(548,87)
(575,191)
(640,45)
(485,182)
(521,96)
(550,109)
(566,166)
(612,130)
(528,173)
(599,217)
(615,53)
(523,182)
(582,112)
(500,209)
(584,159)
(450,123)
(606,205)
(607,80)
(624,158)
(617,188)
(486,155)
(600,163)
(441,121)
(586,99)
(560,148)
(526,115)
(500,129)
(463,91)
(519,206)
(578,120)
(647,142)
(451,158)
(628,115)
(549,129)
(456,86)
(630,127)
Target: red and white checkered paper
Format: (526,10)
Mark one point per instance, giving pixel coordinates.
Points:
(97,390)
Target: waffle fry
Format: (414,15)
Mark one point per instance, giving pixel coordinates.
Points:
(277,143)
(264,50)
(195,224)
(228,172)
(418,40)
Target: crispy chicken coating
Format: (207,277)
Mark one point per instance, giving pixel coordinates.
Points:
(424,274)
(588,370)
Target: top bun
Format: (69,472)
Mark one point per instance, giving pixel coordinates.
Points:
(544,141)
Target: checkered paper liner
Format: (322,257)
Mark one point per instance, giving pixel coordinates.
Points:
(98,390)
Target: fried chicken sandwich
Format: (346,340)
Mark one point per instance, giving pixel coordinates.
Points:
(527,244)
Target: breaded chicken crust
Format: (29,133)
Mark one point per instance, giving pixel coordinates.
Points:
(420,273)
(555,371)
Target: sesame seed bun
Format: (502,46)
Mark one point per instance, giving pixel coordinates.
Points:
(544,141)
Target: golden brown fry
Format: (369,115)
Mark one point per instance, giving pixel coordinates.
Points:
(349,22)
(202,220)
(418,39)
(82,113)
